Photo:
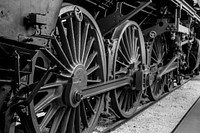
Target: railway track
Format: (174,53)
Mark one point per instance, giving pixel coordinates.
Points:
(141,109)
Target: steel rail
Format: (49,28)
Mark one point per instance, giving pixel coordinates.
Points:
(143,108)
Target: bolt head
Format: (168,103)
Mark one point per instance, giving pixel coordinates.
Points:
(78,96)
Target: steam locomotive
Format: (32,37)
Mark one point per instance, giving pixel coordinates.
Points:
(64,62)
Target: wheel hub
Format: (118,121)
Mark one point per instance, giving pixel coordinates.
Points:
(72,95)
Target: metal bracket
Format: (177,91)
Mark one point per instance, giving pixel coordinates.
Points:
(161,27)
(33,20)
(115,19)
(140,80)
(111,48)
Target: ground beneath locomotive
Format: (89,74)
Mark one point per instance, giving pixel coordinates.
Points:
(165,114)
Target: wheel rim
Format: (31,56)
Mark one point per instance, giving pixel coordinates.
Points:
(78,46)
(156,63)
(127,58)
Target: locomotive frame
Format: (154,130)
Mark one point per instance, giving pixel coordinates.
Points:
(63,63)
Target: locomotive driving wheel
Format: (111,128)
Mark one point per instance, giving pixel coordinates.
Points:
(59,106)
(156,62)
(129,55)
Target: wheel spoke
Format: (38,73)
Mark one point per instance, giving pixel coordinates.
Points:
(126,59)
(77,31)
(131,99)
(136,56)
(135,98)
(89,106)
(70,35)
(134,39)
(84,40)
(125,101)
(65,43)
(155,60)
(136,43)
(53,59)
(48,116)
(128,101)
(77,120)
(121,98)
(127,39)
(92,69)
(119,93)
(136,48)
(155,88)
(65,121)
(90,59)
(57,120)
(40,68)
(155,52)
(160,53)
(61,54)
(121,63)
(124,48)
(84,115)
(45,101)
(71,123)
(156,46)
(87,49)
(131,39)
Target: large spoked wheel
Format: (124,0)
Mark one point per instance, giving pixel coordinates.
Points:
(156,62)
(78,48)
(129,55)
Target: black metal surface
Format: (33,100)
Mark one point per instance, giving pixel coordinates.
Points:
(111,21)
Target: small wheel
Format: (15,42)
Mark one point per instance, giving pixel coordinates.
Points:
(77,47)
(129,55)
(156,62)
(169,86)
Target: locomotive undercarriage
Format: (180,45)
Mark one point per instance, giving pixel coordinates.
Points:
(132,50)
